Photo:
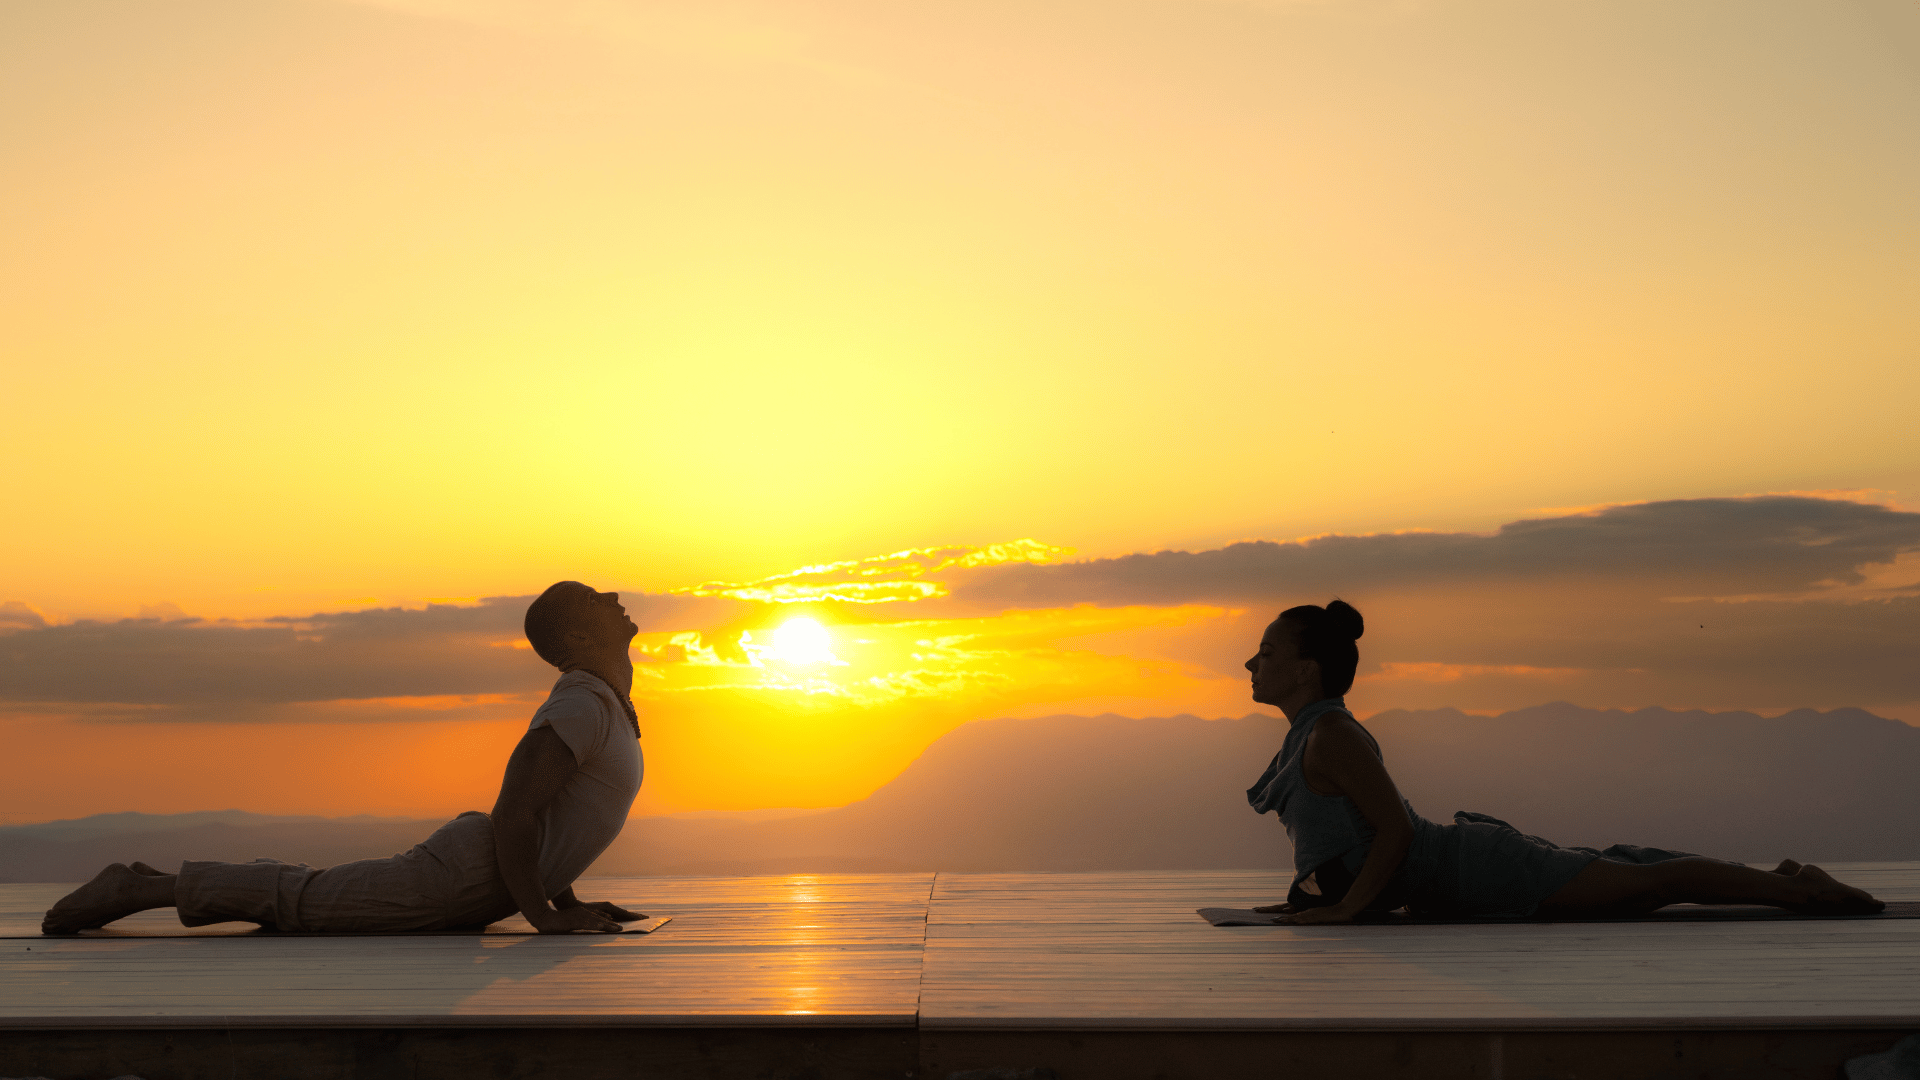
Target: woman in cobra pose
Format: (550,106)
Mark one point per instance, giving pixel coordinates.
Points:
(1359,847)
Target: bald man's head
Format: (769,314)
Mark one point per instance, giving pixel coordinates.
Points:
(552,614)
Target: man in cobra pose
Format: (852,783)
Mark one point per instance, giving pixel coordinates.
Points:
(567,790)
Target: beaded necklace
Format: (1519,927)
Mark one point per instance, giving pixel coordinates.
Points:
(633,718)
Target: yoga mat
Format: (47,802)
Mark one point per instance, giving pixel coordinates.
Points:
(1896,909)
(155,924)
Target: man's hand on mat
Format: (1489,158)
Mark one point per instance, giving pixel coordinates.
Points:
(1276,909)
(613,911)
(1314,915)
(578,917)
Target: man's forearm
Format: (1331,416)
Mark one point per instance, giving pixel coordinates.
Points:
(516,850)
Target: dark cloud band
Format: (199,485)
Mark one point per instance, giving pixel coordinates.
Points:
(1580,591)
(1693,546)
(391,652)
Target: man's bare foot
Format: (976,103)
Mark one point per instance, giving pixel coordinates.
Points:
(1787,868)
(1830,897)
(139,867)
(114,893)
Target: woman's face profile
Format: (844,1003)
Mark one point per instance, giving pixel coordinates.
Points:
(1276,667)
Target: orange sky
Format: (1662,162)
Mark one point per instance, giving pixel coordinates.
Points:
(330,307)
(816,686)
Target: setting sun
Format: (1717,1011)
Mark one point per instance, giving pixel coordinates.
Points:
(802,641)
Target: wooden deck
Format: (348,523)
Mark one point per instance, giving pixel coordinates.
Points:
(1106,950)
(840,949)
(896,974)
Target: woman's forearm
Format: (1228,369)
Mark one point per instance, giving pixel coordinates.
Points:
(1389,850)
(516,849)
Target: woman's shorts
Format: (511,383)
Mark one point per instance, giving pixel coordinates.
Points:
(1484,866)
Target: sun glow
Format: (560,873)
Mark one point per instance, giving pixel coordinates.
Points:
(802,641)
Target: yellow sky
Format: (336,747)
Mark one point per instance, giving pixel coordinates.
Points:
(319,306)
(312,302)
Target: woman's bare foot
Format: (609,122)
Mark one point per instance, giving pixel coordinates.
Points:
(1830,897)
(139,867)
(1787,868)
(114,893)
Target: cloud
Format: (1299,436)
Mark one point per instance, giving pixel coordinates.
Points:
(1693,547)
(1618,606)
(15,615)
(1430,671)
(903,575)
(1765,602)
(199,666)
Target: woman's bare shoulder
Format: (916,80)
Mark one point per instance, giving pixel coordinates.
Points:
(1336,743)
(1338,738)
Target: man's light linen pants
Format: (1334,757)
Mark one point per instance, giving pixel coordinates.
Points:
(450,880)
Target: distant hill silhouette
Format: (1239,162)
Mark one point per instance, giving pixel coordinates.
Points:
(1806,784)
(1116,793)
(1060,793)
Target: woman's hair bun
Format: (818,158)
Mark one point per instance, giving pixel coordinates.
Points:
(1326,635)
(1344,621)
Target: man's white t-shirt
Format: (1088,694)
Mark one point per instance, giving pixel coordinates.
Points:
(588,813)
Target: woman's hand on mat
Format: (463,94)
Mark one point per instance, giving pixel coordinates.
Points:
(578,917)
(1276,909)
(1314,915)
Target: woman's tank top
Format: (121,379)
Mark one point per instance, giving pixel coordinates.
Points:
(1325,827)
